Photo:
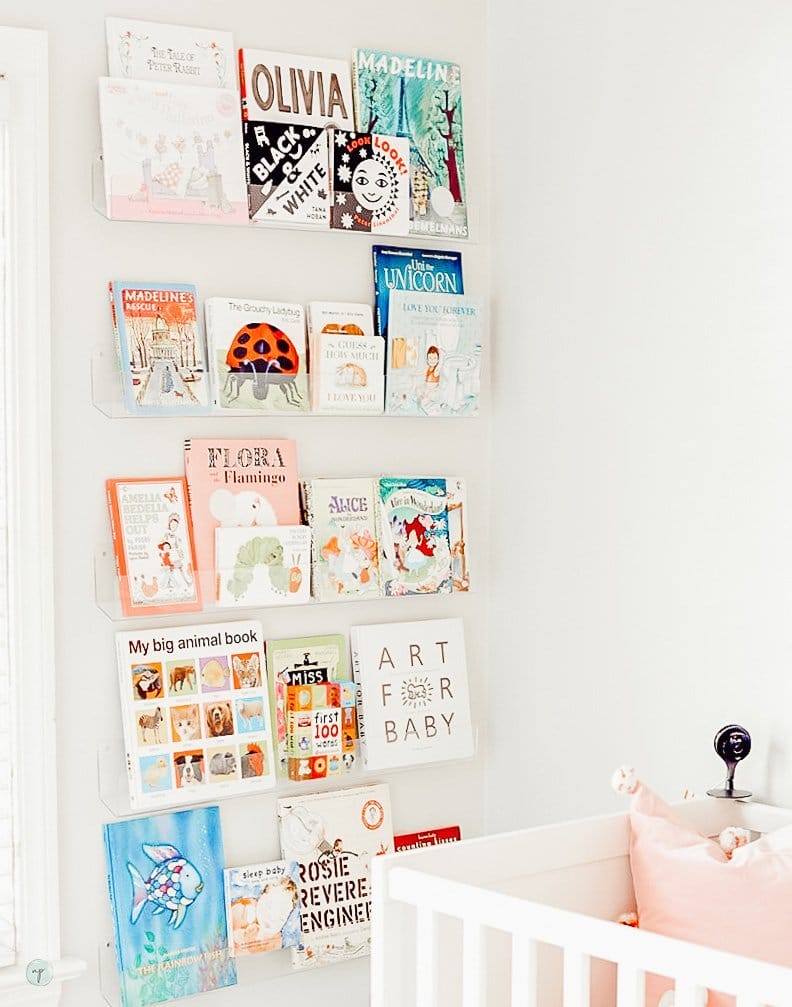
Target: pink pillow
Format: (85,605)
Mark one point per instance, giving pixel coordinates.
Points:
(686,887)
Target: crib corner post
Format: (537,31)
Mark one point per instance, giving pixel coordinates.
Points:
(386,913)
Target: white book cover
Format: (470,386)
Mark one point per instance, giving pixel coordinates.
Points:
(335,836)
(284,87)
(257,355)
(195,711)
(347,359)
(176,54)
(262,907)
(172,152)
(263,566)
(413,693)
(458,518)
(286,166)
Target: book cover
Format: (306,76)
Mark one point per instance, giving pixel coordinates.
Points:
(287,172)
(422,270)
(429,837)
(347,359)
(258,355)
(415,549)
(420,99)
(370,183)
(412,693)
(238,484)
(342,514)
(284,87)
(176,54)
(160,345)
(321,730)
(334,836)
(195,710)
(263,907)
(434,354)
(165,876)
(172,152)
(456,490)
(263,566)
(153,546)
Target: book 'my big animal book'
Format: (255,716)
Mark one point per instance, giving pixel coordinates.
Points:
(165,875)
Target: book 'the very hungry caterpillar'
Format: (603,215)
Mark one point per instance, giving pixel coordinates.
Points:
(420,99)
(370,183)
(334,836)
(263,907)
(171,152)
(195,711)
(421,270)
(343,518)
(415,548)
(263,566)
(165,875)
(160,346)
(434,354)
(347,359)
(258,355)
(238,484)
(153,546)
(412,692)
(148,50)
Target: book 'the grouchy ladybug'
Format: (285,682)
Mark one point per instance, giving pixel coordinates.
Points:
(264,355)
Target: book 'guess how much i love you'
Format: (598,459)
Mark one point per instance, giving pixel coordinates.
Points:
(347,359)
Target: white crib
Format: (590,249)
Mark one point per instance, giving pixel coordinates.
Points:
(525,919)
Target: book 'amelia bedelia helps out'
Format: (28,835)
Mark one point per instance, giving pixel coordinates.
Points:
(369,183)
(413,532)
(422,270)
(165,875)
(420,99)
(195,711)
(334,836)
(263,907)
(347,359)
(148,50)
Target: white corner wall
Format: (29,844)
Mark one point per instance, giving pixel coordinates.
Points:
(642,536)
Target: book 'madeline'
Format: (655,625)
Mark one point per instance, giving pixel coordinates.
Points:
(153,546)
(420,99)
(263,907)
(413,532)
(258,355)
(434,354)
(412,692)
(334,836)
(238,484)
(429,837)
(160,344)
(171,152)
(342,514)
(263,566)
(286,167)
(195,710)
(148,50)
(283,87)
(421,270)
(370,183)
(165,875)
(347,359)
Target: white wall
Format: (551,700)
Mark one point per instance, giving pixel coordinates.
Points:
(87,252)
(642,546)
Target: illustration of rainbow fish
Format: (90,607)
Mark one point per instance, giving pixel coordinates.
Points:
(173,884)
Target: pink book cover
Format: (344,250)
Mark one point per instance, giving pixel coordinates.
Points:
(238,484)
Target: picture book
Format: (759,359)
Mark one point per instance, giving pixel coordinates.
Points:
(347,359)
(422,270)
(153,546)
(334,837)
(420,99)
(434,354)
(258,355)
(370,183)
(238,484)
(263,907)
(342,515)
(429,837)
(147,50)
(287,173)
(263,566)
(160,345)
(456,490)
(171,152)
(412,693)
(165,875)
(321,730)
(305,90)
(415,549)
(195,708)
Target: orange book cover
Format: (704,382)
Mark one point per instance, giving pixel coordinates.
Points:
(153,546)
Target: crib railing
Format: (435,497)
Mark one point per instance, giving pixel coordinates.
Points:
(401,892)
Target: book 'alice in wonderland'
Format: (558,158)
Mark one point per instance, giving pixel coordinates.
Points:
(263,907)
(413,532)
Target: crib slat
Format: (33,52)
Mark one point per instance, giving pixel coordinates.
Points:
(425,958)
(577,979)
(631,987)
(688,995)
(473,969)
(524,972)
(748,1002)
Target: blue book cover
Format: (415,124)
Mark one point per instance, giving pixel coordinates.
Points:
(428,271)
(165,874)
(161,348)
(414,537)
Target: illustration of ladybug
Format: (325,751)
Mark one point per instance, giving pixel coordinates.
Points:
(266,356)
